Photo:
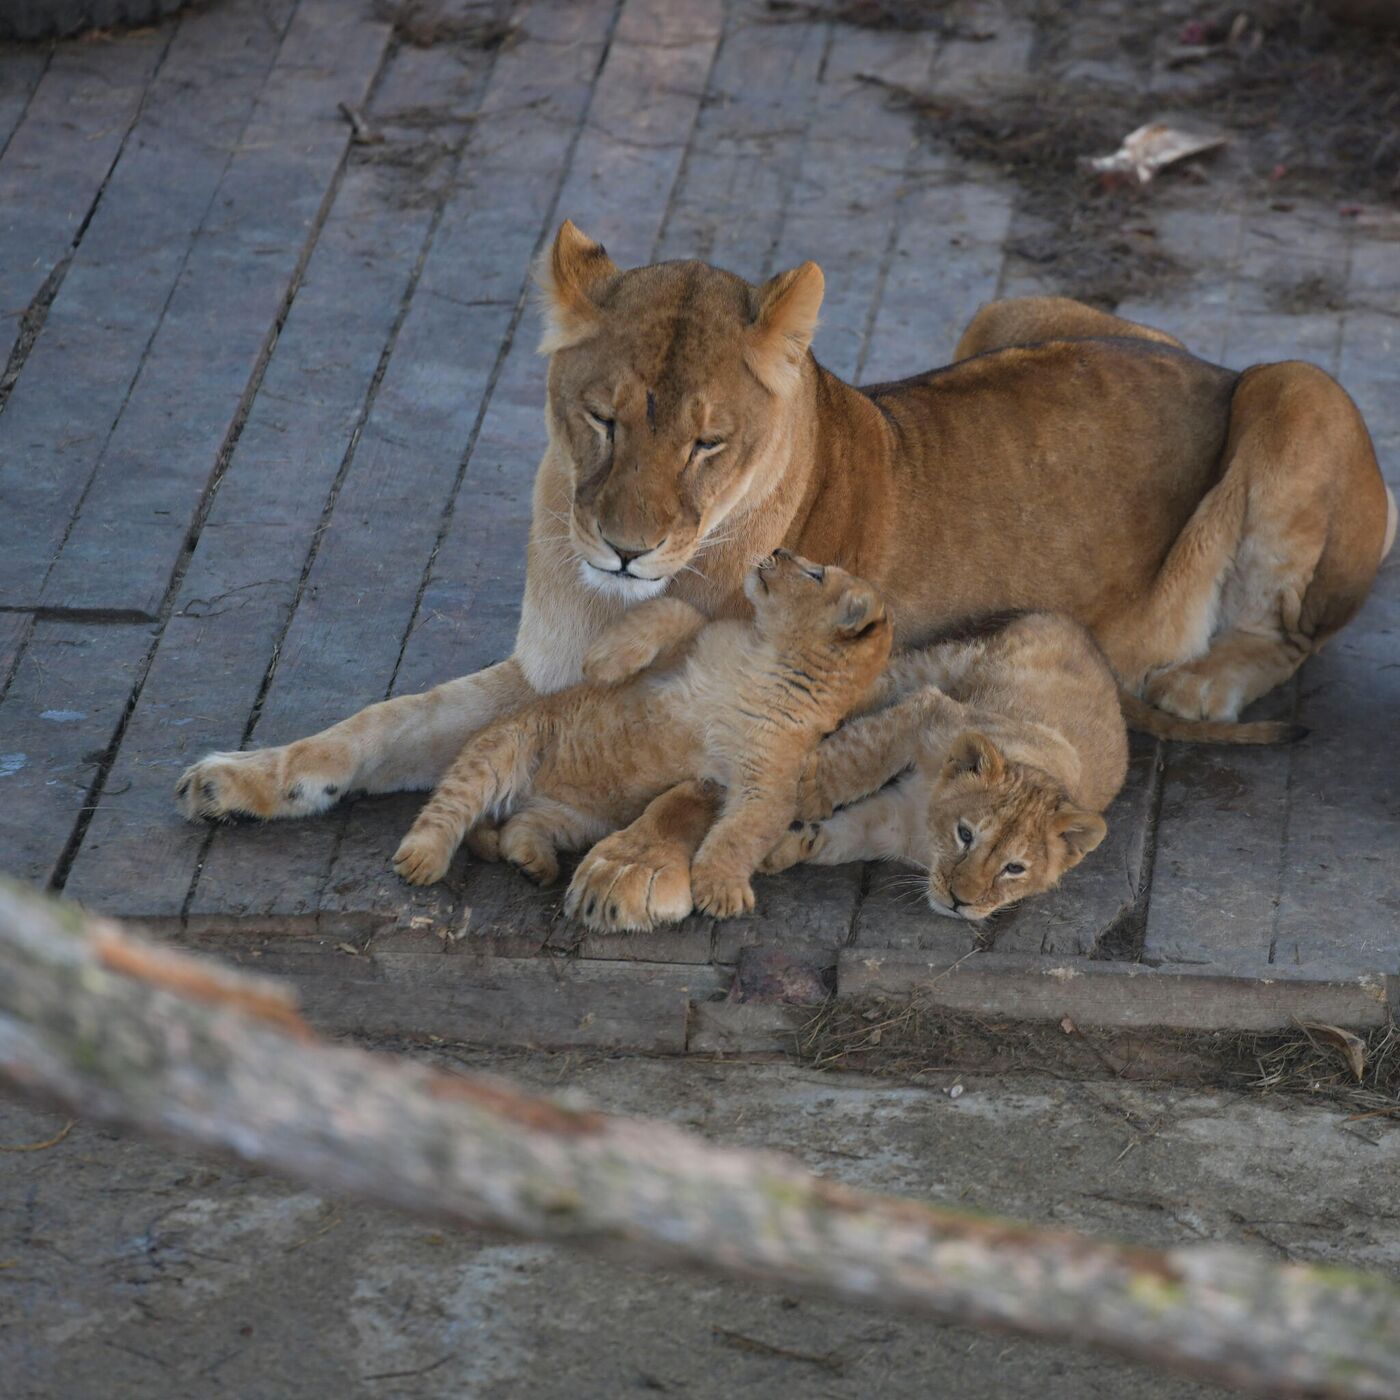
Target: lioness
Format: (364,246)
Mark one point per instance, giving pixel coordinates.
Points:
(742,709)
(1211,528)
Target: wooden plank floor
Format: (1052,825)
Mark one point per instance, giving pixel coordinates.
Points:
(270,413)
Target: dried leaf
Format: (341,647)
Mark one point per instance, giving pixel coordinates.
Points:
(1348,1045)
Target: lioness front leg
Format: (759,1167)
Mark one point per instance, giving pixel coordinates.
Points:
(402,744)
(640,876)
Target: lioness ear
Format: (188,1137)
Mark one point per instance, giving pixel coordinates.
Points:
(1081,831)
(570,275)
(860,610)
(785,319)
(974,753)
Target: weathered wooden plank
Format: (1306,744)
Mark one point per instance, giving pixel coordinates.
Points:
(745,1028)
(239,589)
(221,321)
(403,987)
(1115,994)
(1340,884)
(733,190)
(55,164)
(69,692)
(81,368)
(846,202)
(639,124)
(947,255)
(343,643)
(1226,813)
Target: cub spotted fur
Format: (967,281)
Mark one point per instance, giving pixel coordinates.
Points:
(742,706)
(1013,744)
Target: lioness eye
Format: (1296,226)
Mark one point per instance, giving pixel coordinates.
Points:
(704,447)
(603,425)
(965,833)
(1013,867)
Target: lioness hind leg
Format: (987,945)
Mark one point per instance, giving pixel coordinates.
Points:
(1033,320)
(404,744)
(1315,523)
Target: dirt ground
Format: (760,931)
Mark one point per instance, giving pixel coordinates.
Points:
(130,1271)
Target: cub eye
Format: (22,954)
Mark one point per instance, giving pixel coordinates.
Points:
(964,834)
(603,425)
(705,447)
(1013,867)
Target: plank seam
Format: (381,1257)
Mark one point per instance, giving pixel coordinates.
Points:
(37,312)
(28,103)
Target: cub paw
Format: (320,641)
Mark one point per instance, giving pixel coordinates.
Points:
(800,843)
(261,783)
(618,888)
(423,857)
(613,659)
(484,842)
(535,859)
(719,895)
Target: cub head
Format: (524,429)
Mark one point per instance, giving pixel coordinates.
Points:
(821,611)
(668,392)
(999,831)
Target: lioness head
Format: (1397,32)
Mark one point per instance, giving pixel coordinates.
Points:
(999,831)
(667,386)
(821,611)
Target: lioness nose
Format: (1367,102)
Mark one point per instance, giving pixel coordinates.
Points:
(625,555)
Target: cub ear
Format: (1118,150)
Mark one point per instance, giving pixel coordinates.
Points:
(785,318)
(570,276)
(975,754)
(1081,831)
(860,609)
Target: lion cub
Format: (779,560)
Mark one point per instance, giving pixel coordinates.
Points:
(1004,749)
(742,704)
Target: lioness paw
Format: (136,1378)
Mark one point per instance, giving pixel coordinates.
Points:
(801,842)
(261,783)
(423,857)
(719,895)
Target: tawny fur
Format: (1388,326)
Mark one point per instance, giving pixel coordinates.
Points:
(988,767)
(740,706)
(1212,529)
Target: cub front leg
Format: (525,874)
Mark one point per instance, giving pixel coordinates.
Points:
(650,630)
(865,754)
(875,828)
(756,811)
(401,744)
(640,876)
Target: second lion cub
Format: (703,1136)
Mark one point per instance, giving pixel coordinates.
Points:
(740,704)
(1003,749)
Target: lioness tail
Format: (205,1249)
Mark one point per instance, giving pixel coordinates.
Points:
(1147,719)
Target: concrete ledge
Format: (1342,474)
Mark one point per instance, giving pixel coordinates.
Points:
(1116,995)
